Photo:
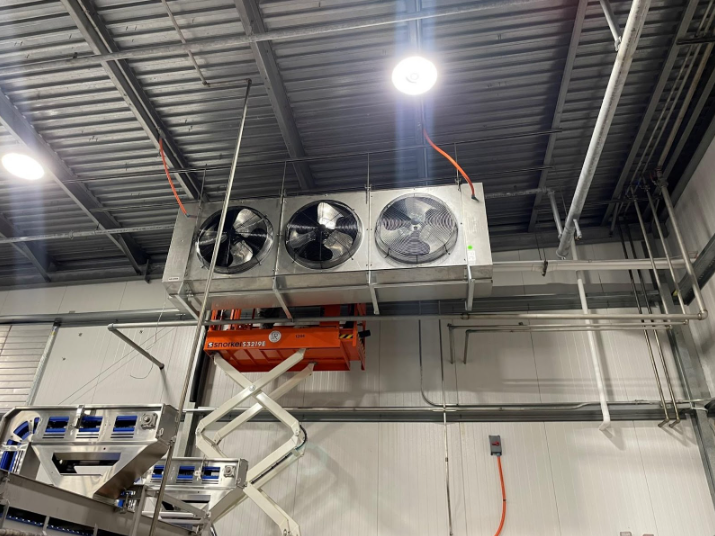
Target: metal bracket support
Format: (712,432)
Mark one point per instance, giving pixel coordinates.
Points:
(139,349)
(612,23)
(280,299)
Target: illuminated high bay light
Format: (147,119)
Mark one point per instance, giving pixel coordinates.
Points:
(23,166)
(414,75)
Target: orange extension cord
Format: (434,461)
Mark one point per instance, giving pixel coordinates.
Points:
(451,160)
(168,176)
(503,498)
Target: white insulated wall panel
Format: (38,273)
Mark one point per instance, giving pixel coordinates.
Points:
(599,480)
(507,368)
(338,479)
(92,366)
(253,443)
(21,348)
(531,501)
(388,479)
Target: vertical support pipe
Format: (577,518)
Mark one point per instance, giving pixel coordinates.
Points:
(703,313)
(631,35)
(645,332)
(199,333)
(595,351)
(42,364)
(579,234)
(658,345)
(649,249)
(555,212)
(666,250)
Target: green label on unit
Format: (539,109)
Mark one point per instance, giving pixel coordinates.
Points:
(471,255)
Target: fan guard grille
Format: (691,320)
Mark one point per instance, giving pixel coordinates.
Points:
(323,234)
(246,239)
(416,229)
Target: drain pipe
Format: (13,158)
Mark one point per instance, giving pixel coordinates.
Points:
(591,333)
(631,34)
(595,351)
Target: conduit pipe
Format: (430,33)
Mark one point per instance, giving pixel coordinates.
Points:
(624,57)
(656,374)
(199,332)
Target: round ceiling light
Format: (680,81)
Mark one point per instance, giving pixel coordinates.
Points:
(414,75)
(23,166)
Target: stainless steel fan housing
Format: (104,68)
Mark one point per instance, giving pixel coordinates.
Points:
(246,239)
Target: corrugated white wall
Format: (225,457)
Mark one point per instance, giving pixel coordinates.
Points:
(21,348)
(89,365)
(696,215)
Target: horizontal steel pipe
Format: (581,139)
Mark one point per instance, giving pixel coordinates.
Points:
(639,326)
(567,265)
(396,318)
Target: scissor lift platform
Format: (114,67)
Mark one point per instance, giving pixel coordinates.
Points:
(331,346)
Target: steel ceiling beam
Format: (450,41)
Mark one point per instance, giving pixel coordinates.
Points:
(253,25)
(60,173)
(36,255)
(560,103)
(219,43)
(101,42)
(682,30)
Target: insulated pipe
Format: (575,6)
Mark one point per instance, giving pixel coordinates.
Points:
(631,34)
(595,351)
(199,333)
(681,244)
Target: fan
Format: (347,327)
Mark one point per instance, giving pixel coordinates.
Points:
(246,239)
(416,229)
(323,234)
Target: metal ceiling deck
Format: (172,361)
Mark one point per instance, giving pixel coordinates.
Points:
(500,74)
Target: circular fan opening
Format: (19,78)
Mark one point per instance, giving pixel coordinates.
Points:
(246,239)
(323,234)
(416,229)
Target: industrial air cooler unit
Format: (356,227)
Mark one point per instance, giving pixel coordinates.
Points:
(391,245)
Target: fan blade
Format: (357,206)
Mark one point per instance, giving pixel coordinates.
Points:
(328,215)
(245,221)
(339,243)
(413,245)
(348,226)
(440,219)
(241,253)
(208,238)
(256,239)
(417,207)
(297,239)
(393,218)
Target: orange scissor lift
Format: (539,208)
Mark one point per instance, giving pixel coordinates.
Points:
(329,345)
(242,348)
